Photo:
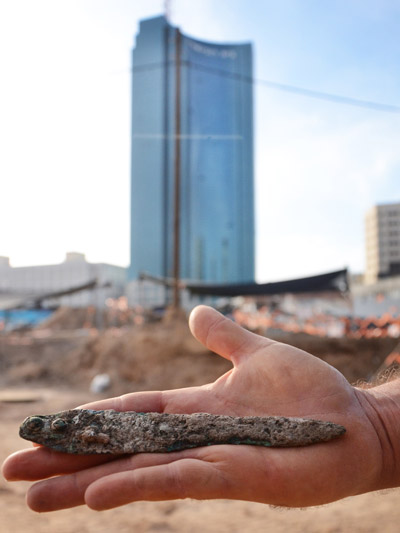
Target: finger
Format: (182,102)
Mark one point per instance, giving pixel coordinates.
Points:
(221,335)
(187,400)
(185,478)
(138,401)
(68,491)
(291,477)
(39,463)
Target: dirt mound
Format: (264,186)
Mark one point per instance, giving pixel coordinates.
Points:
(72,318)
(34,359)
(68,318)
(356,359)
(152,356)
(158,355)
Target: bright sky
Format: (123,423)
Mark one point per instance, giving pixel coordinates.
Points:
(65,124)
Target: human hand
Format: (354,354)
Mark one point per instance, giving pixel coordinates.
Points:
(267,378)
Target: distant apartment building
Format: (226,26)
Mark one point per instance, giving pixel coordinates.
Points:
(21,286)
(382,239)
(209,86)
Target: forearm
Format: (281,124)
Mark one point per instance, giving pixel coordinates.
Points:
(382,407)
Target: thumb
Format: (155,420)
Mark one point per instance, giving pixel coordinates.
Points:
(219,334)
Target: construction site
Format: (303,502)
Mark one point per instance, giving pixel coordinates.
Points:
(224,162)
(82,354)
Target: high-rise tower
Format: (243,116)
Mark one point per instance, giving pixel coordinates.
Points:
(215,136)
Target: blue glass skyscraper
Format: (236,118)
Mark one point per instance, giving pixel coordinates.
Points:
(216,156)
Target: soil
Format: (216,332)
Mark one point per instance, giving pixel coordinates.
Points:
(50,369)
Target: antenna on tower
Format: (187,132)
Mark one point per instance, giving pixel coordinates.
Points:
(167,10)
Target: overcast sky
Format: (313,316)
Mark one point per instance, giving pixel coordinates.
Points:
(319,165)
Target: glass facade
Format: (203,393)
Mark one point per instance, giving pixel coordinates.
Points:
(216,162)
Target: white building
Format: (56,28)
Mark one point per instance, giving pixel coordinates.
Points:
(25,284)
(376,299)
(382,241)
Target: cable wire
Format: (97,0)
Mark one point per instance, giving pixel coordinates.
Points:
(309,93)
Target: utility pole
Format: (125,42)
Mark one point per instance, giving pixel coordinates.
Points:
(177,173)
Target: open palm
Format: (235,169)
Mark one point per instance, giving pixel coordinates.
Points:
(267,378)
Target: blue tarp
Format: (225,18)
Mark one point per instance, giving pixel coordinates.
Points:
(16,318)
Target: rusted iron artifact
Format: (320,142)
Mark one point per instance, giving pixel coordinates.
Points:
(82,431)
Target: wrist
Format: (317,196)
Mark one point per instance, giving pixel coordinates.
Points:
(382,406)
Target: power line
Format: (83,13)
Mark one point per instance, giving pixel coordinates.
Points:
(309,93)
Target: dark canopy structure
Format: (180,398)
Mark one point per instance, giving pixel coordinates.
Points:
(333,281)
(336,281)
